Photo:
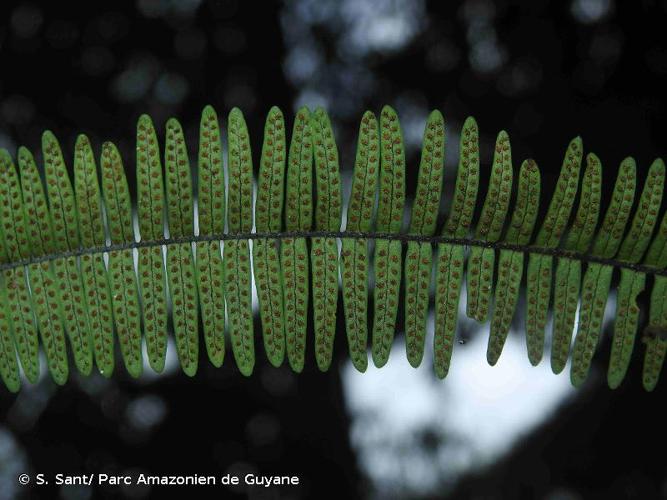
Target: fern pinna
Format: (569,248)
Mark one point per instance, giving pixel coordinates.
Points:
(68,274)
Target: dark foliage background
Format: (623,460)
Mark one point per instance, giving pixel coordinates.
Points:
(543,71)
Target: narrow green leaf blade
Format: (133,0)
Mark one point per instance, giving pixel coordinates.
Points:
(597,279)
(638,238)
(387,256)
(489,228)
(632,250)
(568,271)
(9,367)
(354,254)
(539,274)
(268,217)
(236,252)
(93,271)
(418,268)
(419,256)
(62,206)
(208,257)
(655,334)
(625,325)
(324,251)
(48,315)
(150,208)
(15,244)
(122,279)
(467,183)
(510,264)
(180,265)
(448,279)
(449,267)
(294,251)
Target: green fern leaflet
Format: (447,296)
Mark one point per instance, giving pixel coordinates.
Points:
(68,280)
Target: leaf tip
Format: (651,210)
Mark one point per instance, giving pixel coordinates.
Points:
(531,168)
(24,153)
(435,116)
(275,112)
(5,156)
(82,141)
(388,111)
(48,139)
(173,124)
(368,117)
(302,113)
(209,111)
(144,122)
(658,166)
(592,158)
(470,124)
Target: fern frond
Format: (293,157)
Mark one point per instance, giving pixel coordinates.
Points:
(56,285)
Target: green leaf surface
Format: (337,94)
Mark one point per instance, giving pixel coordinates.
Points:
(122,279)
(237,252)
(97,295)
(266,252)
(540,267)
(451,259)
(489,228)
(294,260)
(419,256)
(74,273)
(597,279)
(387,256)
(324,251)
(208,257)
(354,261)
(510,263)
(632,282)
(568,271)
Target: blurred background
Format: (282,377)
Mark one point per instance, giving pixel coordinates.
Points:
(543,71)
